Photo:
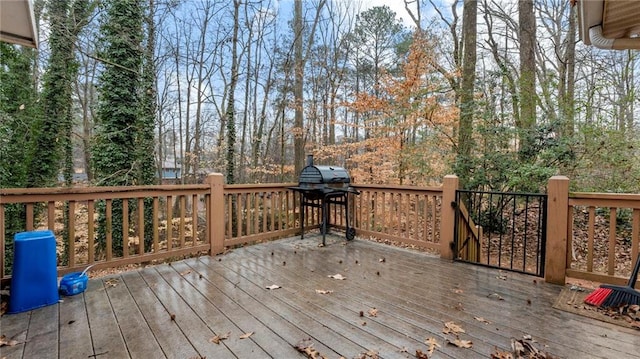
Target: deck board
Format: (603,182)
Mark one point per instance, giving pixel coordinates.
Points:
(185,319)
(15,326)
(105,331)
(213,318)
(75,337)
(42,335)
(415,294)
(136,333)
(173,342)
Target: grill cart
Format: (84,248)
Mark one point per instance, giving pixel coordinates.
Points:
(320,186)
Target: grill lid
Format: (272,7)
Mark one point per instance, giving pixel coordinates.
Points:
(323,175)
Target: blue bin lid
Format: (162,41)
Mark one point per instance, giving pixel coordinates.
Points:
(32,235)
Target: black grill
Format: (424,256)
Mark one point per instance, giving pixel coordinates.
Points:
(320,186)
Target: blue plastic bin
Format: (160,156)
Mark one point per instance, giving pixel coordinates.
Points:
(34,279)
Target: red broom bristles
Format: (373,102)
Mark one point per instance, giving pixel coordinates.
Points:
(598,296)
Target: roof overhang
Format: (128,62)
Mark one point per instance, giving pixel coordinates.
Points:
(17,23)
(610,24)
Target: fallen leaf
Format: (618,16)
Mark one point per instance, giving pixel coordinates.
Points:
(218,338)
(369,354)
(337,276)
(421,355)
(273,286)
(185,272)
(373,312)
(526,349)
(461,343)
(502,277)
(458,291)
(4,341)
(433,345)
(527,337)
(481,319)
(246,335)
(495,296)
(499,354)
(382,260)
(323,291)
(111,282)
(305,346)
(452,328)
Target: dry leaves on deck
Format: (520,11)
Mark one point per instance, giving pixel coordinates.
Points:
(370,354)
(305,346)
(337,276)
(433,345)
(273,286)
(452,328)
(220,337)
(246,335)
(111,282)
(461,343)
(4,341)
(525,349)
(323,291)
(481,319)
(373,312)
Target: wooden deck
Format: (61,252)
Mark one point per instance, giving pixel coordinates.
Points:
(175,310)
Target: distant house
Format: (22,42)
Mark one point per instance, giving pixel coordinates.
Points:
(171,171)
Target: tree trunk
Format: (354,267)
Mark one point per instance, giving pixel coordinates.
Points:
(527,34)
(298,124)
(469,33)
(230,113)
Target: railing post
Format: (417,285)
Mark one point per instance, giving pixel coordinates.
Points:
(215,222)
(448,216)
(557,228)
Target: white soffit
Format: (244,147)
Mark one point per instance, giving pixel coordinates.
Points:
(17,23)
(610,24)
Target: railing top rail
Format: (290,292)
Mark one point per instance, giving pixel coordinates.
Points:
(99,189)
(258,186)
(504,193)
(398,187)
(602,195)
(33,195)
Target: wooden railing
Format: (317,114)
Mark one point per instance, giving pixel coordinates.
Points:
(402,214)
(259,212)
(155,223)
(603,236)
(169,222)
(590,236)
